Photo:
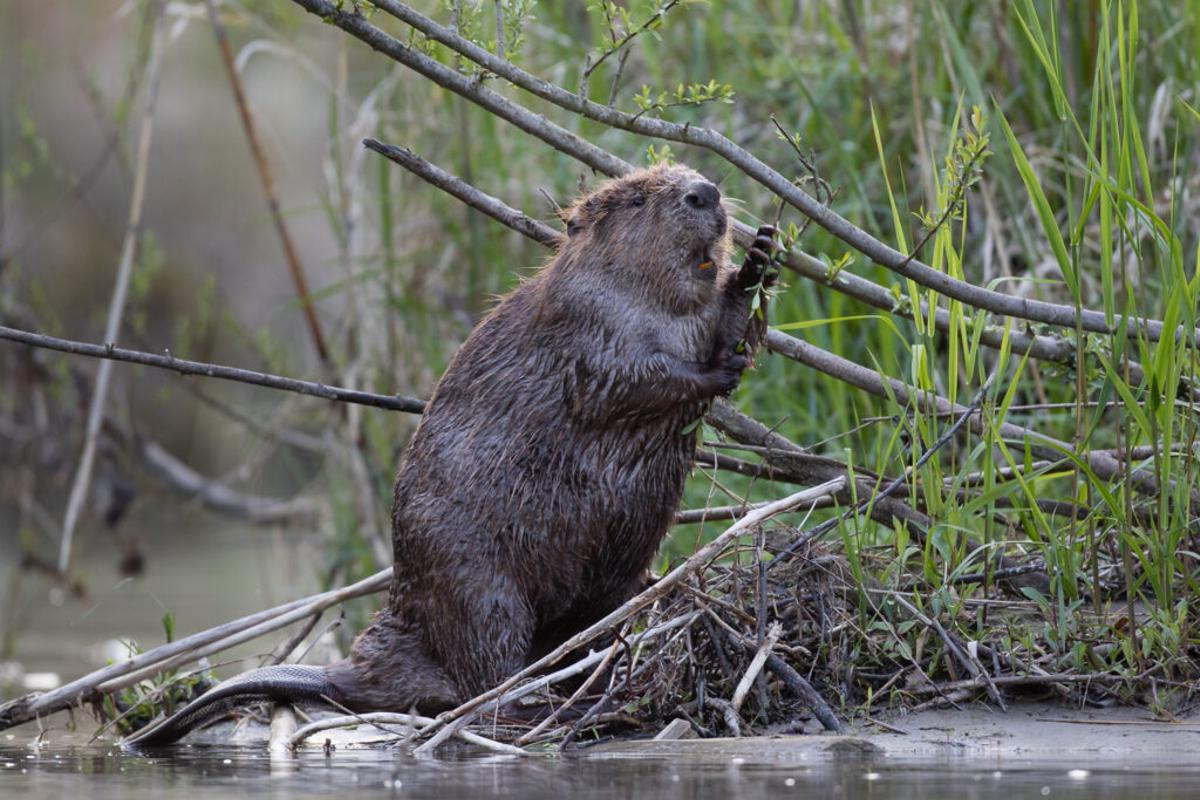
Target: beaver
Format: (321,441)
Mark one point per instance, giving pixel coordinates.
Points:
(551,459)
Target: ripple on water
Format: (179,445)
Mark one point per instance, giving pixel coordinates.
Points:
(106,772)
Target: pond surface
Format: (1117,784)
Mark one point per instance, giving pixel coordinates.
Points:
(104,772)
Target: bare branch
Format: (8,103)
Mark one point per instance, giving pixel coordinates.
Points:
(216,495)
(411,405)
(868,380)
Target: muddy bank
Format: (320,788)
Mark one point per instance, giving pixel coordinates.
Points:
(1026,731)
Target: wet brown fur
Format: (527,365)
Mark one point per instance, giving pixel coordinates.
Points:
(552,456)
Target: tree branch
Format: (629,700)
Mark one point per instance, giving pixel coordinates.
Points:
(119,675)
(411,405)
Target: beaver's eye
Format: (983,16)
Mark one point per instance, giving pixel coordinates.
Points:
(637,201)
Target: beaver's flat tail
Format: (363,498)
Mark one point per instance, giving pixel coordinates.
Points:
(283,683)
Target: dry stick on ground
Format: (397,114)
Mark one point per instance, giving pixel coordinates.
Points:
(756,663)
(781,669)
(116,307)
(381,718)
(118,675)
(454,719)
(550,719)
(590,660)
(1057,314)
(970,664)
(268,184)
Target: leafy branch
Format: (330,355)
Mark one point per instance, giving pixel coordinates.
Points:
(694,94)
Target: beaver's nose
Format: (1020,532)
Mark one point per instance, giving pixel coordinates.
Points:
(702,194)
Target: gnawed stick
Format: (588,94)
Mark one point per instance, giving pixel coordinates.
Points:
(31,706)
(283,727)
(799,685)
(591,659)
(381,718)
(450,721)
(756,665)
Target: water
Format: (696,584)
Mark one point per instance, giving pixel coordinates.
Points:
(103,772)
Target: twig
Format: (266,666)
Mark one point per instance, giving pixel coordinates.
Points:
(1179,724)
(283,727)
(448,721)
(887,727)
(571,670)
(380,718)
(268,184)
(456,187)
(528,737)
(1019,680)
(285,648)
(756,664)
(975,669)
(183,366)
(115,676)
(116,307)
(784,671)
(629,36)
(500,28)
(729,714)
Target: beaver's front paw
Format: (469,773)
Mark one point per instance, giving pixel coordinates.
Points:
(758,266)
(726,370)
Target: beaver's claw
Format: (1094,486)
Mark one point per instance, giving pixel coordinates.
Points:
(758,266)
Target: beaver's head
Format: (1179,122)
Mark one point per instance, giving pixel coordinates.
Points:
(664,227)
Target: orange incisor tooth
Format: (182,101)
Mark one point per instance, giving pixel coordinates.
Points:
(706,264)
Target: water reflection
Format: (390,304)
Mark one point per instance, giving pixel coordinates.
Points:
(185,772)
